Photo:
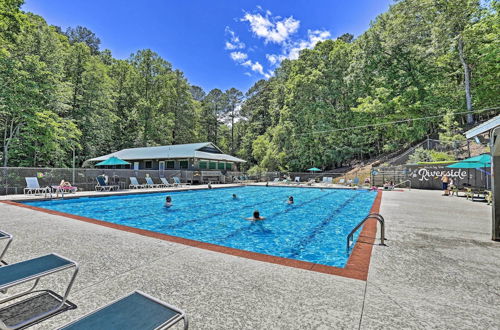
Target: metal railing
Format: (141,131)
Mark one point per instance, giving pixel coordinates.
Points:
(409,184)
(380,219)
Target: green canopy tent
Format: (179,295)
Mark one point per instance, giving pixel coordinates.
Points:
(112,161)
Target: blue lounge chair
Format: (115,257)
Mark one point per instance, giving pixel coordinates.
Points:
(137,311)
(151,184)
(103,186)
(355,182)
(33,187)
(8,237)
(33,270)
(177,182)
(134,184)
(165,182)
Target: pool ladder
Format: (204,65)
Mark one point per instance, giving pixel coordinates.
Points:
(369,216)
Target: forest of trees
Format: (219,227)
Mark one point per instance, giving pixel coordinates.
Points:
(60,93)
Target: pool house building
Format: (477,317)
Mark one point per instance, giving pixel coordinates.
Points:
(203,156)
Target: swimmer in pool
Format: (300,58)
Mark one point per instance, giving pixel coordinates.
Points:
(256,216)
(290,200)
(235,196)
(168,201)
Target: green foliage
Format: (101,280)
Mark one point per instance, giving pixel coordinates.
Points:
(59,92)
(420,155)
(424,155)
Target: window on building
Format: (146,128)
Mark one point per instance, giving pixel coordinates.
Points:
(184,164)
(170,164)
(229,166)
(212,165)
(203,165)
(148,164)
(220,166)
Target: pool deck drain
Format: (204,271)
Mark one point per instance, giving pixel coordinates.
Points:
(440,270)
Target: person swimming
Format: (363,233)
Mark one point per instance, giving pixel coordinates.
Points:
(290,200)
(256,216)
(168,201)
(235,196)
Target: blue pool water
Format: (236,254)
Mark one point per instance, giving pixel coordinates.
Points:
(314,229)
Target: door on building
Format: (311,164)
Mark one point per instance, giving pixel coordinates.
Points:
(136,166)
(161,166)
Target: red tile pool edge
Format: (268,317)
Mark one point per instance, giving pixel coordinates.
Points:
(357,266)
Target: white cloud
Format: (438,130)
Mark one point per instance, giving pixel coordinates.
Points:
(238,56)
(234,41)
(313,37)
(275,59)
(272,29)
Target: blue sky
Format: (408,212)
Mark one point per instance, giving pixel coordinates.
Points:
(217,43)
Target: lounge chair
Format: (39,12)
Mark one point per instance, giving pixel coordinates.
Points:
(134,184)
(33,187)
(297,180)
(151,184)
(355,182)
(8,237)
(276,180)
(341,181)
(29,271)
(327,180)
(103,186)
(137,311)
(165,182)
(178,183)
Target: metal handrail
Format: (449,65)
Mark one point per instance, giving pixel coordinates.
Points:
(380,219)
(404,182)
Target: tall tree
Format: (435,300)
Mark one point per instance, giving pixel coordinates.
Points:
(233,100)
(84,35)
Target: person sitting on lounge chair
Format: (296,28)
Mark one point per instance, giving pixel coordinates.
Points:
(256,216)
(66,186)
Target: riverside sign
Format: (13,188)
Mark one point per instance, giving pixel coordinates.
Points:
(429,176)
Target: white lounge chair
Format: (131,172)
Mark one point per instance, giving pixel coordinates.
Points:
(178,183)
(165,182)
(151,184)
(134,184)
(33,187)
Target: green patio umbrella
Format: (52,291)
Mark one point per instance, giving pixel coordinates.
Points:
(477,162)
(112,161)
(483,160)
(314,169)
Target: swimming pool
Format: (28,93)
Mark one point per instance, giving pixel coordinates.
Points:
(314,229)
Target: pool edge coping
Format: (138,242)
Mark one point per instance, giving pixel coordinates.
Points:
(357,265)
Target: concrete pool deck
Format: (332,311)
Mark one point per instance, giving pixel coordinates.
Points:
(439,270)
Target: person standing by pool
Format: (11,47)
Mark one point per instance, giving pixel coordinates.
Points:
(256,216)
(290,200)
(168,201)
(445,180)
